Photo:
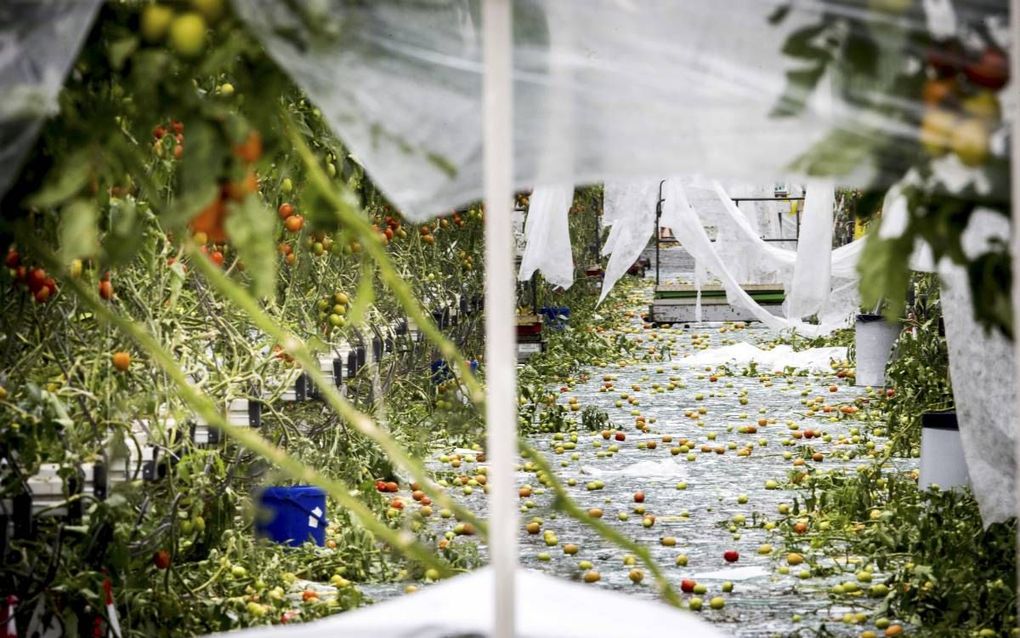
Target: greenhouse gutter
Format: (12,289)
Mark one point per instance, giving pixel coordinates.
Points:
(500,302)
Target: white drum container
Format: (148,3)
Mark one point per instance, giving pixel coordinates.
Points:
(874,340)
(942,460)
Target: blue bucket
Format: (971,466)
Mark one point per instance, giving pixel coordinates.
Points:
(440,371)
(292,515)
(555,316)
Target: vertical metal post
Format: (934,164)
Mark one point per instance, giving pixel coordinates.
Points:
(500,300)
(534,294)
(1014,85)
(798,223)
(658,222)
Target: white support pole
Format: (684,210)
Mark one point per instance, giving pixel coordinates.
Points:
(1014,169)
(500,303)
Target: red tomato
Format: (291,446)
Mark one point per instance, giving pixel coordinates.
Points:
(36,279)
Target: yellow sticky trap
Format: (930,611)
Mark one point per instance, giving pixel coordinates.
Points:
(859,228)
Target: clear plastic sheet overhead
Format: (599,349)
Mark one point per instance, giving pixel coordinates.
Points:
(38,43)
(604,90)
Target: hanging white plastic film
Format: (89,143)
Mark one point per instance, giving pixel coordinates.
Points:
(547,232)
(633,206)
(812,271)
(984,381)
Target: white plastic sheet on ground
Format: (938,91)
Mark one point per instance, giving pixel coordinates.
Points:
(547,233)
(547,607)
(776,359)
(983,373)
(666,469)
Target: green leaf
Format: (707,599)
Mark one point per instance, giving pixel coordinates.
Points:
(862,54)
(839,153)
(188,205)
(79,232)
(800,44)
(124,217)
(779,14)
(868,204)
(800,83)
(120,50)
(64,181)
(205,153)
(364,297)
(123,240)
(885,273)
(250,226)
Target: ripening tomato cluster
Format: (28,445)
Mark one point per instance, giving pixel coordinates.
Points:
(389,228)
(184,31)
(215,252)
(39,284)
(287,251)
(426,234)
(320,243)
(160,133)
(961,105)
(467,260)
(283,355)
(292,221)
(333,311)
(208,224)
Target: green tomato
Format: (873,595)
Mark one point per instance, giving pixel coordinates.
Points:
(155,22)
(187,34)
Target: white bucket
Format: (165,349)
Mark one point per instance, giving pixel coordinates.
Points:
(942,460)
(874,338)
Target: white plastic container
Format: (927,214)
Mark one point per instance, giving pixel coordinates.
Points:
(874,339)
(942,460)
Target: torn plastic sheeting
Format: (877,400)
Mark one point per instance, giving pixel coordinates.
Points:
(680,217)
(843,259)
(769,256)
(634,206)
(547,233)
